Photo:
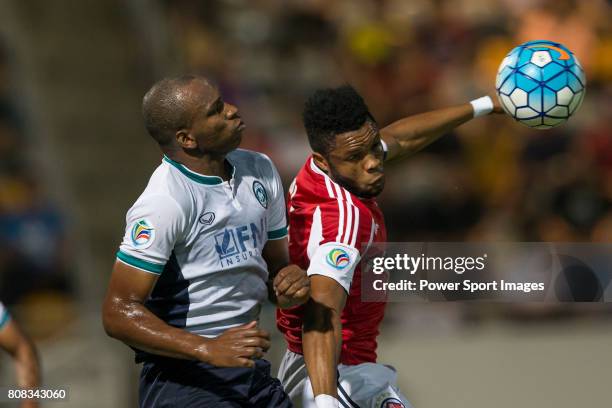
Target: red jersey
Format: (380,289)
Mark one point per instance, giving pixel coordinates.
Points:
(322,214)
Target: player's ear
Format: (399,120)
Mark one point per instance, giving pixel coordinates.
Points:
(321,162)
(185,139)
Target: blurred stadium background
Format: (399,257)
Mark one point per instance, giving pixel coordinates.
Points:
(74,155)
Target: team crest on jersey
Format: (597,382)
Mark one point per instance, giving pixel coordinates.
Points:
(143,233)
(260,193)
(338,258)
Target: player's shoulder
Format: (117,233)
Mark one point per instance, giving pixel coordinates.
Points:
(313,185)
(166,190)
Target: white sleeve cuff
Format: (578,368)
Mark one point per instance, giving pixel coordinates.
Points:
(482,106)
(326,401)
(336,261)
(384,146)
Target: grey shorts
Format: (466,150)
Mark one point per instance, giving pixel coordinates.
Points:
(292,374)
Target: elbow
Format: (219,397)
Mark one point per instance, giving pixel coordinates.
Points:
(112,317)
(107,323)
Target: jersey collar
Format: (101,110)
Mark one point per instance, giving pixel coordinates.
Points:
(197,177)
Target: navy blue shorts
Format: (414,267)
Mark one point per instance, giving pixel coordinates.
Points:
(168,382)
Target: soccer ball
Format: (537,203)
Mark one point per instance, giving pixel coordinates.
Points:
(540,84)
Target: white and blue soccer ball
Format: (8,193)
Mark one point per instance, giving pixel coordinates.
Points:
(540,84)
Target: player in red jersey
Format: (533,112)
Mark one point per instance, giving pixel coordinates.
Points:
(333,221)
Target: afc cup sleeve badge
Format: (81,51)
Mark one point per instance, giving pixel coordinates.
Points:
(143,234)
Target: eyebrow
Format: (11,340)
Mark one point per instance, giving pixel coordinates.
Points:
(213,106)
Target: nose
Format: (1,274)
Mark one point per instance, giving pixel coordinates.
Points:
(373,164)
(231,111)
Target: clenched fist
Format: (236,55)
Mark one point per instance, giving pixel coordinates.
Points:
(291,286)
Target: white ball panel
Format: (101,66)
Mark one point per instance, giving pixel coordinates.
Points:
(523,113)
(576,102)
(519,97)
(532,122)
(507,104)
(541,58)
(558,110)
(564,96)
(553,121)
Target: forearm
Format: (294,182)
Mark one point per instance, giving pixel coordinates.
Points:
(27,366)
(322,342)
(409,135)
(133,324)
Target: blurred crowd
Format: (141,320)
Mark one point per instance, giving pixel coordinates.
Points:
(34,262)
(490,180)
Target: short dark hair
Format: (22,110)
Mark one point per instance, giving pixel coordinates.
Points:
(331,111)
(166,109)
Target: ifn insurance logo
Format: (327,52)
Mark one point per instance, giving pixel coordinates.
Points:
(239,244)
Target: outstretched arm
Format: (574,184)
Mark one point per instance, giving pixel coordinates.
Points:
(409,135)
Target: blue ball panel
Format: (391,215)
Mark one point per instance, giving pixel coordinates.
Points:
(551,70)
(532,71)
(579,73)
(524,57)
(550,99)
(558,82)
(574,83)
(525,83)
(508,86)
(512,57)
(535,99)
(503,74)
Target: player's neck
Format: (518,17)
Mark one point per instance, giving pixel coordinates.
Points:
(206,165)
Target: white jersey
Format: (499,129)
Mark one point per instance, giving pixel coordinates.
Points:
(4,315)
(204,237)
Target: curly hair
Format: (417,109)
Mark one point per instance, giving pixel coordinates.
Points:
(332,111)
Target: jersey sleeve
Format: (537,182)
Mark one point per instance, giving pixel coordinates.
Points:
(153,226)
(333,247)
(276,216)
(4,316)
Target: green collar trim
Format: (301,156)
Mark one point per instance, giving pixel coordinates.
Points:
(199,178)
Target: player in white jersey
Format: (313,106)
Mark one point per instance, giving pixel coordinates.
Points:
(205,244)
(21,348)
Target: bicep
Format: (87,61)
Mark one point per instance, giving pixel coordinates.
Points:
(129,284)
